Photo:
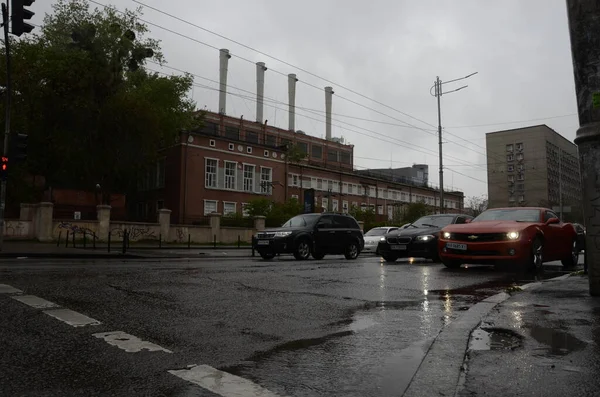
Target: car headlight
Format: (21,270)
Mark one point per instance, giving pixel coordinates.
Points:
(382,239)
(427,237)
(512,235)
(282,234)
(447,234)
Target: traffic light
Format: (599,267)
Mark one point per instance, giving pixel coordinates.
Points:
(4,168)
(19,14)
(18,147)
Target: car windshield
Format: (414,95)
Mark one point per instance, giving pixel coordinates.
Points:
(301,220)
(378,231)
(436,221)
(518,215)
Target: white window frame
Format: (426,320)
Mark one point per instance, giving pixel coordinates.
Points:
(225,203)
(245,209)
(372,191)
(380,209)
(325,203)
(330,185)
(295,179)
(350,188)
(319,184)
(521,198)
(216,202)
(510,148)
(230,178)
(510,157)
(345,206)
(231,146)
(248,185)
(265,184)
(335,205)
(206,173)
(212,143)
(266,153)
(249,150)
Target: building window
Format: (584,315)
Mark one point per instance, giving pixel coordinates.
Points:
(332,155)
(372,191)
(248,178)
(160,173)
(521,198)
(350,188)
(345,157)
(231,146)
(334,204)
(229,208)
(211,173)
(520,187)
(265,180)
(509,148)
(251,136)
(295,180)
(320,184)
(521,177)
(511,178)
(521,167)
(249,149)
(519,147)
(330,185)
(345,206)
(511,198)
(510,168)
(210,206)
(212,143)
(232,133)
(317,151)
(510,157)
(380,209)
(354,204)
(210,129)
(302,147)
(245,209)
(519,156)
(295,196)
(266,153)
(270,140)
(230,173)
(325,203)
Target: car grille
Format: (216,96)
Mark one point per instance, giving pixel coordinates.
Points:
(265,235)
(479,237)
(398,240)
(473,252)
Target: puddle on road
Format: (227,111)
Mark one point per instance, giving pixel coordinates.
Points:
(361,322)
(558,342)
(495,339)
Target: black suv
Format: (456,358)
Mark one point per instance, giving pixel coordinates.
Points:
(418,239)
(316,234)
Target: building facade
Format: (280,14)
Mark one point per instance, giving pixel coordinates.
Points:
(417,175)
(533,166)
(232,161)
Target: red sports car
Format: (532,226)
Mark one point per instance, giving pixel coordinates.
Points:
(523,235)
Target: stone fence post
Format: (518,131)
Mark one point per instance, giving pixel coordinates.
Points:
(103,215)
(44,222)
(215,225)
(259,223)
(361,224)
(164,219)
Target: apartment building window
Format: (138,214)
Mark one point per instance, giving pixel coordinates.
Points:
(345,206)
(519,147)
(266,175)
(509,148)
(332,155)
(325,203)
(251,136)
(249,177)
(232,133)
(303,147)
(350,188)
(520,187)
(511,198)
(521,177)
(271,140)
(210,206)
(334,205)
(519,156)
(380,209)
(245,209)
(295,180)
(211,173)
(230,173)
(320,184)
(345,157)
(210,129)
(521,167)
(521,198)
(330,185)
(229,208)
(372,191)
(354,204)
(510,168)
(317,151)
(511,178)
(510,157)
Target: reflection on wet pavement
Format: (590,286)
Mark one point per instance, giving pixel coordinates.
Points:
(494,339)
(557,342)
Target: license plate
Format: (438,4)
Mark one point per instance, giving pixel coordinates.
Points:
(263,242)
(454,246)
(401,247)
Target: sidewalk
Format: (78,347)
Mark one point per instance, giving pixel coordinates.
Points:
(542,341)
(15,249)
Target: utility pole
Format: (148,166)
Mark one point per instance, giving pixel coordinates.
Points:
(6,120)
(437,85)
(560,199)
(584,30)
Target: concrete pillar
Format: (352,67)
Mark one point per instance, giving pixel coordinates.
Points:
(361,224)
(259,223)
(260,90)
(584,29)
(292,101)
(103,215)
(215,225)
(27,212)
(44,222)
(328,96)
(223,62)
(164,219)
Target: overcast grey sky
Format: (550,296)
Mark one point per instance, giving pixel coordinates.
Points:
(391,51)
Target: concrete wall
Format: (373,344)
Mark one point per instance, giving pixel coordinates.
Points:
(17,229)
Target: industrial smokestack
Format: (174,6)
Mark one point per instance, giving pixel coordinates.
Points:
(223,61)
(328,95)
(292,101)
(260,90)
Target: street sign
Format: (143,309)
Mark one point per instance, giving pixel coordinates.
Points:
(77,215)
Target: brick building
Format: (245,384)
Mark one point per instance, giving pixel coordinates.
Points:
(233,161)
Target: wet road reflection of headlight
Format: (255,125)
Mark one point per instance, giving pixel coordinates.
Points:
(512,235)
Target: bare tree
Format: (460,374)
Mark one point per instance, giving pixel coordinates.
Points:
(476,205)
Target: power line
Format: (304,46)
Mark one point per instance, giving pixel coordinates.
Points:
(515,122)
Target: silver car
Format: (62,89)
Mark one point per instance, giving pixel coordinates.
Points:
(373,236)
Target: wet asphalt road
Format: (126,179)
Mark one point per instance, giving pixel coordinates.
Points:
(314,328)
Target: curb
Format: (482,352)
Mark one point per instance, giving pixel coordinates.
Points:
(37,255)
(443,360)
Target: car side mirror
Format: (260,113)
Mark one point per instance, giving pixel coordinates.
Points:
(552,221)
(467,220)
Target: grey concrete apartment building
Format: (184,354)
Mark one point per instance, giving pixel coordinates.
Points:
(532,166)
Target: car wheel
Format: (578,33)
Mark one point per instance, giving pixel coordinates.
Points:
(389,257)
(318,255)
(267,255)
(573,258)
(536,258)
(352,251)
(302,251)
(450,264)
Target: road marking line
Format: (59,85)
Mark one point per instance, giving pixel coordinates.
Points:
(34,301)
(7,289)
(129,343)
(72,318)
(221,383)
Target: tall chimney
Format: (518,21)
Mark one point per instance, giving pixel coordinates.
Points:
(260,90)
(224,60)
(292,101)
(328,95)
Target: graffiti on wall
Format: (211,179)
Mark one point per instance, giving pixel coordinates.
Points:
(16,229)
(136,232)
(74,228)
(180,233)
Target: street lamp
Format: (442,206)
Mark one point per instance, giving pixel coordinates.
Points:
(437,85)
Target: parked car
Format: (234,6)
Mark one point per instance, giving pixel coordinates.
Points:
(374,236)
(418,239)
(312,234)
(580,229)
(528,236)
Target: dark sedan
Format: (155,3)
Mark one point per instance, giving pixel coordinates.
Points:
(418,239)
